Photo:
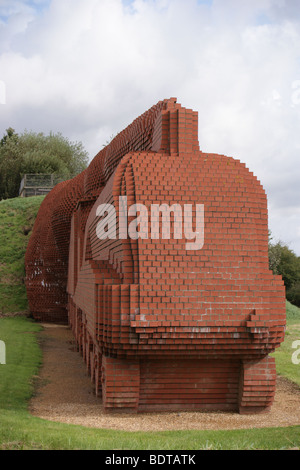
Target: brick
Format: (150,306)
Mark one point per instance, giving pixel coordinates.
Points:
(160,327)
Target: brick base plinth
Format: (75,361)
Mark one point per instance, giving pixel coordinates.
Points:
(175,384)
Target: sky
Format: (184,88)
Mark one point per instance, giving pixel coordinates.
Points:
(88,68)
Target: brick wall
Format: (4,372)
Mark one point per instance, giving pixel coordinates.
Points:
(159,326)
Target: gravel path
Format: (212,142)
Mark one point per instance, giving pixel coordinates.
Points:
(64,393)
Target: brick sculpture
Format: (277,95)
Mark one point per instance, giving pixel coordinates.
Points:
(159,326)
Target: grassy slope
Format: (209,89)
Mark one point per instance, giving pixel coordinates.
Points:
(18,429)
(16,220)
(283,355)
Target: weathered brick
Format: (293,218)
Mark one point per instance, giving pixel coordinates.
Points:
(161,327)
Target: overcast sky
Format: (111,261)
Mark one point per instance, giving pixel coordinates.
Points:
(88,68)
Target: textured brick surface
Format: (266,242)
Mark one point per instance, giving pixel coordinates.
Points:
(161,327)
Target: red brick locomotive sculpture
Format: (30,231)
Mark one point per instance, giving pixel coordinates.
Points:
(160,326)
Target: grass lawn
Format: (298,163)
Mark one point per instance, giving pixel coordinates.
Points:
(19,430)
(283,355)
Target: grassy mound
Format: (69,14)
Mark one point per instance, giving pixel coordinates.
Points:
(17,217)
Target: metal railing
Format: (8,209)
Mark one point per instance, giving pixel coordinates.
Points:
(40,184)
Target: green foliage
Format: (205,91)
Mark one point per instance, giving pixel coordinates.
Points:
(283,261)
(274,257)
(10,165)
(289,267)
(293,294)
(37,153)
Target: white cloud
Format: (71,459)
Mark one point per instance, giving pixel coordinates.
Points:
(88,68)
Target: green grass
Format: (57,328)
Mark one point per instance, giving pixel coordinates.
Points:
(17,217)
(283,355)
(292,314)
(27,432)
(23,358)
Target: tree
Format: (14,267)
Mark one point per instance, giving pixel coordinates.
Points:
(274,255)
(289,267)
(9,133)
(283,261)
(10,164)
(37,153)
(294,294)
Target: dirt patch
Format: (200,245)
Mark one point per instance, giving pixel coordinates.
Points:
(64,393)
(14,314)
